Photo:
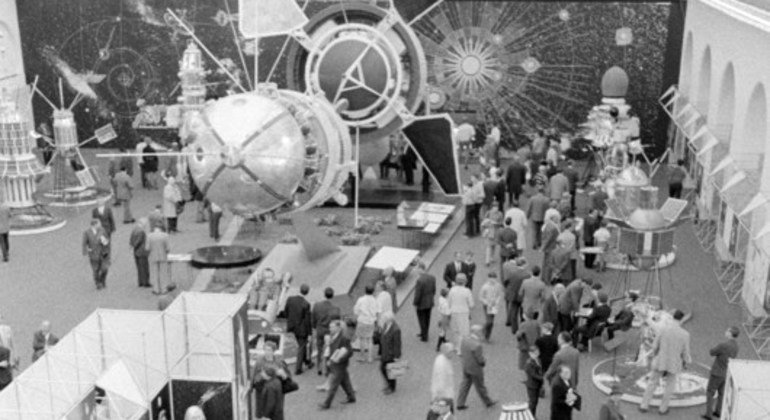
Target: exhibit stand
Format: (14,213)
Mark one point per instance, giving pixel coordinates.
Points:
(142,365)
(747,390)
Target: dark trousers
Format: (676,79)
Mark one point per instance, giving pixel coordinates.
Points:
(572,195)
(514,195)
(514,308)
(533,395)
(472,223)
(490,322)
(611,328)
(565,322)
(143,174)
(5,246)
(715,385)
(339,376)
(99,268)
(171,223)
(675,190)
(142,271)
(590,258)
(465,387)
(423,318)
(409,175)
(538,235)
(441,340)
(391,383)
(214,219)
(303,358)
(319,342)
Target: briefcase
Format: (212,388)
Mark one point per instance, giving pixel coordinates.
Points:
(397,369)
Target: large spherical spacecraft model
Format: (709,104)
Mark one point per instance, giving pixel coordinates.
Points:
(269,150)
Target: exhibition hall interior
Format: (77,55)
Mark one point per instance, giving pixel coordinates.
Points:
(346,209)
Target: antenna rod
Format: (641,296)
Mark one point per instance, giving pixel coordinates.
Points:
(77,99)
(238,44)
(35,89)
(206,50)
(61,94)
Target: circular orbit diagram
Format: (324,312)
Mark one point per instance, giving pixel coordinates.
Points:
(513,64)
(365,57)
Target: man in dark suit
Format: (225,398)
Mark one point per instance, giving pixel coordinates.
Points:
(424,298)
(563,397)
(469,269)
(594,323)
(138,243)
(515,178)
(298,323)
(514,277)
(473,362)
(567,356)
(534,383)
(453,268)
(104,214)
(340,352)
(42,340)
(5,228)
(722,353)
(507,240)
(390,349)
(573,177)
(323,314)
(559,264)
(96,245)
(536,207)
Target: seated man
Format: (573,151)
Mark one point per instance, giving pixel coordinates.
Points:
(625,318)
(594,323)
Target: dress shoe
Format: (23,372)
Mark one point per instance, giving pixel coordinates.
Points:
(323,406)
(706,417)
(492,403)
(717,414)
(348,401)
(388,391)
(462,407)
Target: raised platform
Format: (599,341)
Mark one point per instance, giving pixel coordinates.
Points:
(338,270)
(225,256)
(75,197)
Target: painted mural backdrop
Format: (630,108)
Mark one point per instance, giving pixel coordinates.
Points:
(520,65)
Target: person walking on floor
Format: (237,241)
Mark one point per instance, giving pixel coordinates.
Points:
(298,322)
(532,292)
(124,191)
(534,382)
(453,268)
(722,354)
(536,207)
(322,315)
(138,244)
(519,225)
(106,219)
(461,302)
(469,268)
(514,274)
(527,336)
(390,350)
(671,350)
(507,241)
(492,223)
(158,250)
(444,315)
(442,383)
(5,228)
(424,298)
(365,311)
(515,178)
(473,363)
(215,215)
(96,245)
(547,344)
(340,352)
(490,296)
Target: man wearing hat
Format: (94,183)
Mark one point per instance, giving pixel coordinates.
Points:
(611,409)
(722,353)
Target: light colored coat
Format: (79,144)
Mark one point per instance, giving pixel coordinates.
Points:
(123,186)
(519,225)
(157,244)
(442,380)
(672,349)
(460,300)
(171,196)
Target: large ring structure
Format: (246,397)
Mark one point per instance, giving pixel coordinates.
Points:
(366,58)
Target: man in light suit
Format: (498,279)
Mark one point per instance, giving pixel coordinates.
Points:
(96,245)
(42,340)
(671,350)
(138,243)
(567,356)
(298,322)
(390,349)
(550,234)
(124,191)
(473,362)
(453,269)
(424,298)
(157,244)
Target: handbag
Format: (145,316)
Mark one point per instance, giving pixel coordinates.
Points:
(397,369)
(288,386)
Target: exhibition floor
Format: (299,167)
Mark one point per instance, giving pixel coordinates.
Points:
(48,278)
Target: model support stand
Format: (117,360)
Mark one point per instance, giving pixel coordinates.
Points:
(73,182)
(19,169)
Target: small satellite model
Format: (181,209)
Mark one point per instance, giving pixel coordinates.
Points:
(20,168)
(73,181)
